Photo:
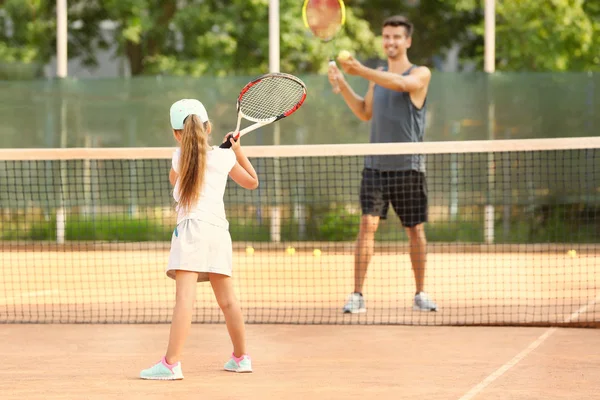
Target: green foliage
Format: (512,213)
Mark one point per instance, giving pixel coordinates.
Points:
(235,40)
(249,229)
(551,223)
(438,24)
(28,31)
(557,35)
(329,223)
(32,27)
(338,224)
(466,231)
(195,38)
(545,223)
(112,228)
(121,228)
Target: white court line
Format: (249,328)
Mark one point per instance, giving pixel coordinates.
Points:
(475,390)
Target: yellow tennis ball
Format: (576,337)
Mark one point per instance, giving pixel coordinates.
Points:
(250,250)
(572,253)
(291,251)
(344,55)
(316,252)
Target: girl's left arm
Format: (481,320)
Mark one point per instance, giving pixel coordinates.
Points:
(173,176)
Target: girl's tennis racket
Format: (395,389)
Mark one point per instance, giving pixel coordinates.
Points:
(324,18)
(267,99)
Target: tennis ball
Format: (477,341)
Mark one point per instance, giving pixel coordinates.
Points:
(572,253)
(316,252)
(250,250)
(291,251)
(344,55)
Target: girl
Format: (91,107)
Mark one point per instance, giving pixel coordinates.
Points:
(201,247)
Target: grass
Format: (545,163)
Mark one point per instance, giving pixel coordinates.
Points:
(546,224)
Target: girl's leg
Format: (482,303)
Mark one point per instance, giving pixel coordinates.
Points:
(185,282)
(223,287)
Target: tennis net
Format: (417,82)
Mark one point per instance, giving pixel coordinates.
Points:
(513,236)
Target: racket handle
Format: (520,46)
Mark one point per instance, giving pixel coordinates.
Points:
(227,144)
(336,86)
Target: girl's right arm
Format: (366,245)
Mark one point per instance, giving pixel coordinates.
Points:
(243,172)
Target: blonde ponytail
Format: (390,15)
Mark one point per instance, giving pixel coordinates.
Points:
(194,146)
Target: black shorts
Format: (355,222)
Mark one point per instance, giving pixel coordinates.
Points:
(405,190)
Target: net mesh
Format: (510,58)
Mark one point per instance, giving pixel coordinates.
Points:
(512,233)
(271,97)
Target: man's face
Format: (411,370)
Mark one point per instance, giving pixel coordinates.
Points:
(395,41)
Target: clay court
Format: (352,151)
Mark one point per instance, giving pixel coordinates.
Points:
(301,344)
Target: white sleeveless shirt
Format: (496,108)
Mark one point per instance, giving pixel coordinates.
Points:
(210,206)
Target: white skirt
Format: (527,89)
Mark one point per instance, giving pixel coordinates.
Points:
(200,247)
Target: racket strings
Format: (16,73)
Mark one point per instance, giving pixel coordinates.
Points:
(324,18)
(270,98)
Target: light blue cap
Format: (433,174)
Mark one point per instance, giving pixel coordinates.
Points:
(181,109)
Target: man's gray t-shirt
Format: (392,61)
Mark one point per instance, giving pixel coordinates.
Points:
(395,119)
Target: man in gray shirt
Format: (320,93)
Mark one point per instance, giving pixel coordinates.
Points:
(396,104)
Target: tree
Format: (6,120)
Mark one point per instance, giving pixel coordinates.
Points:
(26,31)
(439,24)
(212,37)
(554,35)
(194,39)
(184,37)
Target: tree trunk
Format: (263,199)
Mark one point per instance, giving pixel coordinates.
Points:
(136,58)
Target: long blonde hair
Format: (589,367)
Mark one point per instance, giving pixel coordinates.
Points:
(194,146)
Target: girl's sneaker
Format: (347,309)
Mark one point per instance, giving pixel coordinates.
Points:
(163,371)
(242,364)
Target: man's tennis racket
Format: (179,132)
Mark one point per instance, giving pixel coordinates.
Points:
(267,99)
(324,18)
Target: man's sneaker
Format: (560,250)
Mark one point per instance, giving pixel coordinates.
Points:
(355,304)
(163,371)
(424,303)
(242,364)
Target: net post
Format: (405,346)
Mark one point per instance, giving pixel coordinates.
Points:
(61,38)
(299,202)
(274,65)
(61,214)
(488,227)
(60,225)
(453,209)
(61,72)
(275,224)
(87,179)
(490,68)
(506,193)
(275,230)
(274,36)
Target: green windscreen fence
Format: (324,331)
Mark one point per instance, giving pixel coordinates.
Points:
(134,112)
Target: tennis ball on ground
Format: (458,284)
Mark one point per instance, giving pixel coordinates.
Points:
(572,253)
(250,250)
(291,251)
(316,252)
(344,55)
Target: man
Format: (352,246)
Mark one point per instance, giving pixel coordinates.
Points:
(396,104)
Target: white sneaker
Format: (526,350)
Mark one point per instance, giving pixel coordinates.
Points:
(163,371)
(355,304)
(424,303)
(243,365)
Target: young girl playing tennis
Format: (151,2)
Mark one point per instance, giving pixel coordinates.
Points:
(201,247)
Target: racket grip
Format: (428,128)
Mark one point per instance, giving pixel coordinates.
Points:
(336,86)
(227,144)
